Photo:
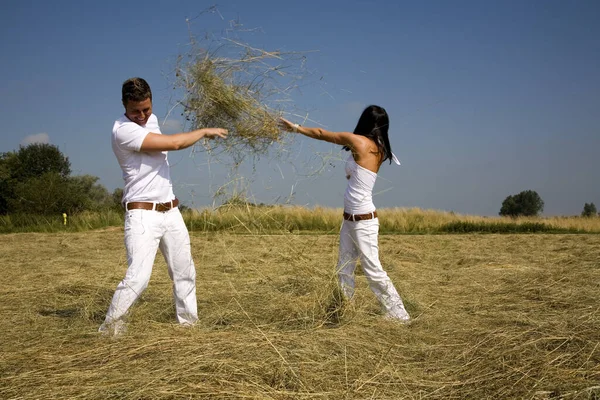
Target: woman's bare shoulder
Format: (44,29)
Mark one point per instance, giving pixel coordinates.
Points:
(364,146)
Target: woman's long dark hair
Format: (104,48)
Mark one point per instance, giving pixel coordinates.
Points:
(374,124)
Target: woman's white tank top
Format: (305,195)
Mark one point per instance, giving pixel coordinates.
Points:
(358,198)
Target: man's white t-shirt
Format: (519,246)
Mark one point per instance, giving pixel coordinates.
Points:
(146,174)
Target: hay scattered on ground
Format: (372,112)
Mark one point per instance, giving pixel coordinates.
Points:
(497,316)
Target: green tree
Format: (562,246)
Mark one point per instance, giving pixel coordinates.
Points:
(30,162)
(5,184)
(509,207)
(117,197)
(589,210)
(37,159)
(52,193)
(44,194)
(36,180)
(527,203)
(88,194)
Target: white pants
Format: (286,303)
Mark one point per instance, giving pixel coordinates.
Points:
(359,240)
(145,232)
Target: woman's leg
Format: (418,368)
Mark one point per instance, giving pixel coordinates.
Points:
(347,258)
(367,236)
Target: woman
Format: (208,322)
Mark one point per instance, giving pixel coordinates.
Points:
(370,147)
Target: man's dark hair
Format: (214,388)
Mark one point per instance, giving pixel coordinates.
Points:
(135,89)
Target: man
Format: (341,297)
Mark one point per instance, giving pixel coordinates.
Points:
(152,219)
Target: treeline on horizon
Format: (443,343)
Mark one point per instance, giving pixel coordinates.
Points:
(39,194)
(282,219)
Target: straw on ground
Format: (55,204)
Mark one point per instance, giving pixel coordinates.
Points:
(497,316)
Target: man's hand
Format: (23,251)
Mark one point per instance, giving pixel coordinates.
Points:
(212,133)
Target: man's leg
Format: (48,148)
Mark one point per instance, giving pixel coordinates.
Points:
(367,233)
(141,243)
(176,248)
(347,259)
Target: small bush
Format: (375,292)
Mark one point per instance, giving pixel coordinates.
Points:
(502,227)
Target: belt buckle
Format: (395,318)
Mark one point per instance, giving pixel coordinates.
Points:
(164,207)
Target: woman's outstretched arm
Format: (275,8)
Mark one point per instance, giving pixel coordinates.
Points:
(342,138)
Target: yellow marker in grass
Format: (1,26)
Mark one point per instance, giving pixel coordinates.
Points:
(64,218)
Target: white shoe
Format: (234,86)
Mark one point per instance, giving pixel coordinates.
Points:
(396,318)
(399,315)
(115,328)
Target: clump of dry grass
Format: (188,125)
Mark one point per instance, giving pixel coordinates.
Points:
(215,99)
(230,84)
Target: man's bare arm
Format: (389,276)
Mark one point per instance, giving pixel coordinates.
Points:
(178,141)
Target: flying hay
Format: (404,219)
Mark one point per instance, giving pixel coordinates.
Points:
(229,84)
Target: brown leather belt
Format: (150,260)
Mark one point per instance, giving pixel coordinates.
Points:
(359,217)
(160,207)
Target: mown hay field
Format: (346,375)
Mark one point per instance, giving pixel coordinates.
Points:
(495,316)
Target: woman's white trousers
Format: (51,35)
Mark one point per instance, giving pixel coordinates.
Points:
(359,240)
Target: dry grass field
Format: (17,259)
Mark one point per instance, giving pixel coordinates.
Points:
(495,317)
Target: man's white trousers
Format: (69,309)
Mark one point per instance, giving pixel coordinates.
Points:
(359,240)
(145,232)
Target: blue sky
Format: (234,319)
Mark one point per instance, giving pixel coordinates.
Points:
(486,98)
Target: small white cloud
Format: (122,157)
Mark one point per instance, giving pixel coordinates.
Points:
(171,126)
(42,138)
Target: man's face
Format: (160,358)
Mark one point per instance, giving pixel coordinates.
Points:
(139,111)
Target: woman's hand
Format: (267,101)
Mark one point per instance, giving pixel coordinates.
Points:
(286,125)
